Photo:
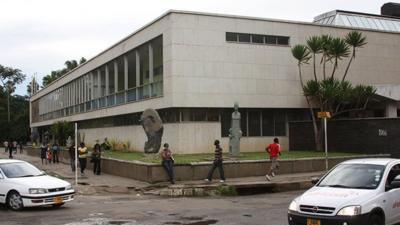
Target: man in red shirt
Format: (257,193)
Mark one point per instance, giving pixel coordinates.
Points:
(274,150)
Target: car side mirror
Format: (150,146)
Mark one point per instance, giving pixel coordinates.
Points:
(314,180)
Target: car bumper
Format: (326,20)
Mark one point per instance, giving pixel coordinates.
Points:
(295,218)
(49,199)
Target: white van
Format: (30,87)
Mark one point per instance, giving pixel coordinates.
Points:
(360,191)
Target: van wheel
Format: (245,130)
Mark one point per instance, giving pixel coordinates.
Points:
(14,201)
(375,220)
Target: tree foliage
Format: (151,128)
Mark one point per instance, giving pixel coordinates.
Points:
(55,74)
(61,130)
(328,93)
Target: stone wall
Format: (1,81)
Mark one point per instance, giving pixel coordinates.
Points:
(367,136)
(152,172)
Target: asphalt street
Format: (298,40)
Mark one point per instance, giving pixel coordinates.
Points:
(266,209)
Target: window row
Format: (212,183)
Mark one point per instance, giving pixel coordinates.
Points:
(254,122)
(133,76)
(257,38)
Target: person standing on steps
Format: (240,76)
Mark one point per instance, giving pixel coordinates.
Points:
(274,151)
(217,163)
(82,156)
(168,162)
(43,153)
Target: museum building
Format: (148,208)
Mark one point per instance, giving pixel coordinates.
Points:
(192,67)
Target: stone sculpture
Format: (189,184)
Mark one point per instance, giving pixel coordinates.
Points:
(235,132)
(153,128)
(69,142)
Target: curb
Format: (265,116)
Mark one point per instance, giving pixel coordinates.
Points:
(230,189)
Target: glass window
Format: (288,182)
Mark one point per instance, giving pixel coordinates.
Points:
(270,40)
(353,22)
(169,115)
(157,59)
(231,36)
(283,40)
(95,84)
(226,122)
(268,126)
(244,38)
(212,115)
(102,81)
(199,114)
(131,56)
(254,123)
(243,124)
(280,123)
(144,64)
(111,77)
(256,38)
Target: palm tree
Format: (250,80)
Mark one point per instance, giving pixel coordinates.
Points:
(302,54)
(338,49)
(314,45)
(326,41)
(355,40)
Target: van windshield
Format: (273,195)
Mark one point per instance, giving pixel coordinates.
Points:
(359,176)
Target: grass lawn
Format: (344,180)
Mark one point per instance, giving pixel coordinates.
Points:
(188,158)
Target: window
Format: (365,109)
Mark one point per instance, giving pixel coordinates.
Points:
(283,40)
(254,123)
(131,69)
(231,36)
(267,122)
(111,78)
(280,123)
(244,38)
(256,38)
(270,40)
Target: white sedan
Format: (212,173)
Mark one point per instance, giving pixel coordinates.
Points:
(24,185)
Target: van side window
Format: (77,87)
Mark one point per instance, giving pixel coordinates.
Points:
(394,174)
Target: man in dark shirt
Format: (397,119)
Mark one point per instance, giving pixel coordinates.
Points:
(217,163)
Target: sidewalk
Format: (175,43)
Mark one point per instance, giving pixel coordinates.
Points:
(92,184)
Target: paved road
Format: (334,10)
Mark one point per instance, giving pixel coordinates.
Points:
(267,209)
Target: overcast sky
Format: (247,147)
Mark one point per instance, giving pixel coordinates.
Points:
(38,36)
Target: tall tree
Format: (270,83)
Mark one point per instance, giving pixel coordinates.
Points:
(55,74)
(9,78)
(328,93)
(32,87)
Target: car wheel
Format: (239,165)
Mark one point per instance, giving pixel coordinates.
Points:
(375,220)
(14,201)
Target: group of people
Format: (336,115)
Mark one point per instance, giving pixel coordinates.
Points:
(12,147)
(50,154)
(274,151)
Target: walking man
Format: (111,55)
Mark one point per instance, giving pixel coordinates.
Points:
(217,163)
(82,151)
(274,150)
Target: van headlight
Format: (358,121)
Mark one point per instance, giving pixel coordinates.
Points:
(69,187)
(293,206)
(37,191)
(350,211)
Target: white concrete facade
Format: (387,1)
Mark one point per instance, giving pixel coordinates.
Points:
(202,70)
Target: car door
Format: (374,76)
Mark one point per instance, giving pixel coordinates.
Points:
(392,196)
(3,188)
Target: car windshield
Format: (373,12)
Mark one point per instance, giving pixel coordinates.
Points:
(20,169)
(360,176)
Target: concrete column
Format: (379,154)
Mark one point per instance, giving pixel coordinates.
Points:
(151,76)
(98,92)
(391,110)
(116,85)
(137,73)
(126,76)
(107,84)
